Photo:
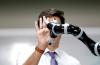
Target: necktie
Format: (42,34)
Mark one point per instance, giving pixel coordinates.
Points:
(53,60)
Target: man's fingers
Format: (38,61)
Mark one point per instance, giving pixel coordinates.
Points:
(46,20)
(36,25)
(44,24)
(41,23)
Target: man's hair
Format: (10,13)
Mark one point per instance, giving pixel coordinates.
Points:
(53,12)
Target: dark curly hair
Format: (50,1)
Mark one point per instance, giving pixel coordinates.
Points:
(53,12)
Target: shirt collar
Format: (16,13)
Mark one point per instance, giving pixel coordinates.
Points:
(57,51)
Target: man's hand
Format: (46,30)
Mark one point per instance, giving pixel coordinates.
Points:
(42,33)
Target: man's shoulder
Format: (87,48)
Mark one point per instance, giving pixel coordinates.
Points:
(68,57)
(61,52)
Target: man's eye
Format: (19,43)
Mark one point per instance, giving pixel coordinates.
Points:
(54,18)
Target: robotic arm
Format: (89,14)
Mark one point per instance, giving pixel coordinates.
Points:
(56,29)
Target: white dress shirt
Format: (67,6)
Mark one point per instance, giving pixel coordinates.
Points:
(62,58)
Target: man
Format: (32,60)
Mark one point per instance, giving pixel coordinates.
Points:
(47,53)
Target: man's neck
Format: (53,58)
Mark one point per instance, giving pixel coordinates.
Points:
(51,48)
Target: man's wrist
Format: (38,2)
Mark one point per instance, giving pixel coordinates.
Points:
(39,50)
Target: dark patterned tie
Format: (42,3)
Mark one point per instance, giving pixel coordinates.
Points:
(53,60)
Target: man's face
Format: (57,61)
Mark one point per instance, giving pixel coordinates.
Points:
(57,39)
